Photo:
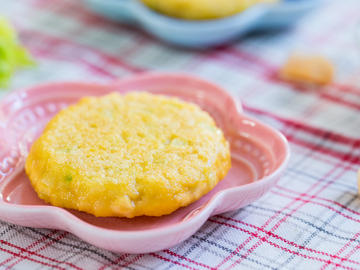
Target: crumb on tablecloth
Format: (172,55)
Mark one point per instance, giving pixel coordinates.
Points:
(314,69)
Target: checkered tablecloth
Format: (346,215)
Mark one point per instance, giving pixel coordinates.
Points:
(310,220)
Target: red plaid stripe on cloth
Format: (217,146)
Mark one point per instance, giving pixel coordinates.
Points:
(310,220)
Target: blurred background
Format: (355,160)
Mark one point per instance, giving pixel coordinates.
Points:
(72,40)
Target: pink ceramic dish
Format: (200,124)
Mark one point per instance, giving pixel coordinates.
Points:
(259,155)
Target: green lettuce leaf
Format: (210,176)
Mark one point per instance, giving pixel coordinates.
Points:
(12,54)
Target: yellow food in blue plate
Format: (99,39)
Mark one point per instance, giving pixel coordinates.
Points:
(128,155)
(201,9)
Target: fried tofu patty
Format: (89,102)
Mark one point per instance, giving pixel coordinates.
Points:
(128,155)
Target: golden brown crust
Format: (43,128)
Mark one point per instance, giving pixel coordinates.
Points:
(126,156)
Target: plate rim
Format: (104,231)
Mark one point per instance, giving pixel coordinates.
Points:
(73,221)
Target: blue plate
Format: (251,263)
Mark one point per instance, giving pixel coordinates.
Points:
(201,34)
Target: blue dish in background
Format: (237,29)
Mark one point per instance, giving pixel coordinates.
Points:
(202,34)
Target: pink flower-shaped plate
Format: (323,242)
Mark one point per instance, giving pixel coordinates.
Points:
(259,155)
